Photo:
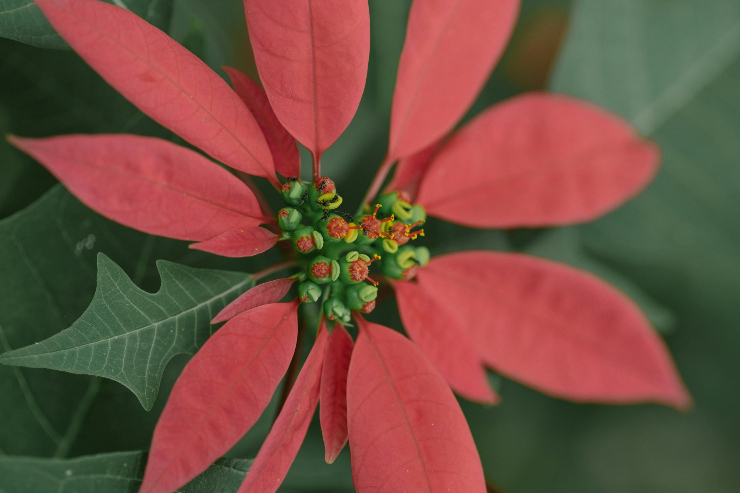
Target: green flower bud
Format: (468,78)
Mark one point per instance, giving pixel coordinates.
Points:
(289,219)
(293,192)
(320,188)
(406,257)
(358,294)
(303,239)
(319,269)
(334,309)
(334,229)
(418,213)
(354,267)
(308,292)
(422,255)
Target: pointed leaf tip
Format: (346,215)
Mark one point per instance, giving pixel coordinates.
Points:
(430,323)
(164,80)
(406,429)
(262,294)
(283,146)
(560,330)
(220,394)
(537,160)
(239,242)
(333,407)
(312,58)
(451,47)
(287,433)
(148,184)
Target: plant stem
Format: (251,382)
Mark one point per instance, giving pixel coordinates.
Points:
(377,182)
(316,166)
(273,268)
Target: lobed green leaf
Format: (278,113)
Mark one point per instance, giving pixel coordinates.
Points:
(129,335)
(119,472)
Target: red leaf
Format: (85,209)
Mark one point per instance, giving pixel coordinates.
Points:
(282,145)
(406,430)
(148,184)
(430,322)
(410,169)
(164,80)
(560,330)
(333,408)
(450,50)
(261,294)
(239,242)
(286,436)
(537,160)
(220,394)
(312,59)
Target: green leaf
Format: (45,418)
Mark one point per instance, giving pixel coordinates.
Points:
(21,20)
(129,335)
(48,256)
(119,472)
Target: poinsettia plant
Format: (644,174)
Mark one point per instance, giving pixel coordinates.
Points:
(537,160)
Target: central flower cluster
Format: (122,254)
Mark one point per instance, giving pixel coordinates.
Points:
(339,247)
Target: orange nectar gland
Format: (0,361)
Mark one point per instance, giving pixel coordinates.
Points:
(337,253)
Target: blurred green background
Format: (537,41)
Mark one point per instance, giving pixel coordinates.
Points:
(672,67)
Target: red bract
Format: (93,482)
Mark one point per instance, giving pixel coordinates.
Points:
(535,160)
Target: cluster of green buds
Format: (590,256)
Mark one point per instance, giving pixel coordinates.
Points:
(339,248)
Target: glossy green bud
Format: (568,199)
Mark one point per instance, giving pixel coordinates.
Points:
(319,269)
(309,291)
(334,309)
(334,229)
(406,257)
(418,213)
(303,239)
(293,192)
(289,219)
(422,255)
(320,188)
(359,294)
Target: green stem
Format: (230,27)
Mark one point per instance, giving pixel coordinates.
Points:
(274,268)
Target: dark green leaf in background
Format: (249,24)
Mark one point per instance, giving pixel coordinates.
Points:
(21,20)
(120,472)
(129,335)
(48,270)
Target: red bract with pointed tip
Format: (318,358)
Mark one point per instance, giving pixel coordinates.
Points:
(262,294)
(312,58)
(164,80)
(333,406)
(239,242)
(450,50)
(220,394)
(282,145)
(535,160)
(399,406)
(282,443)
(126,177)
